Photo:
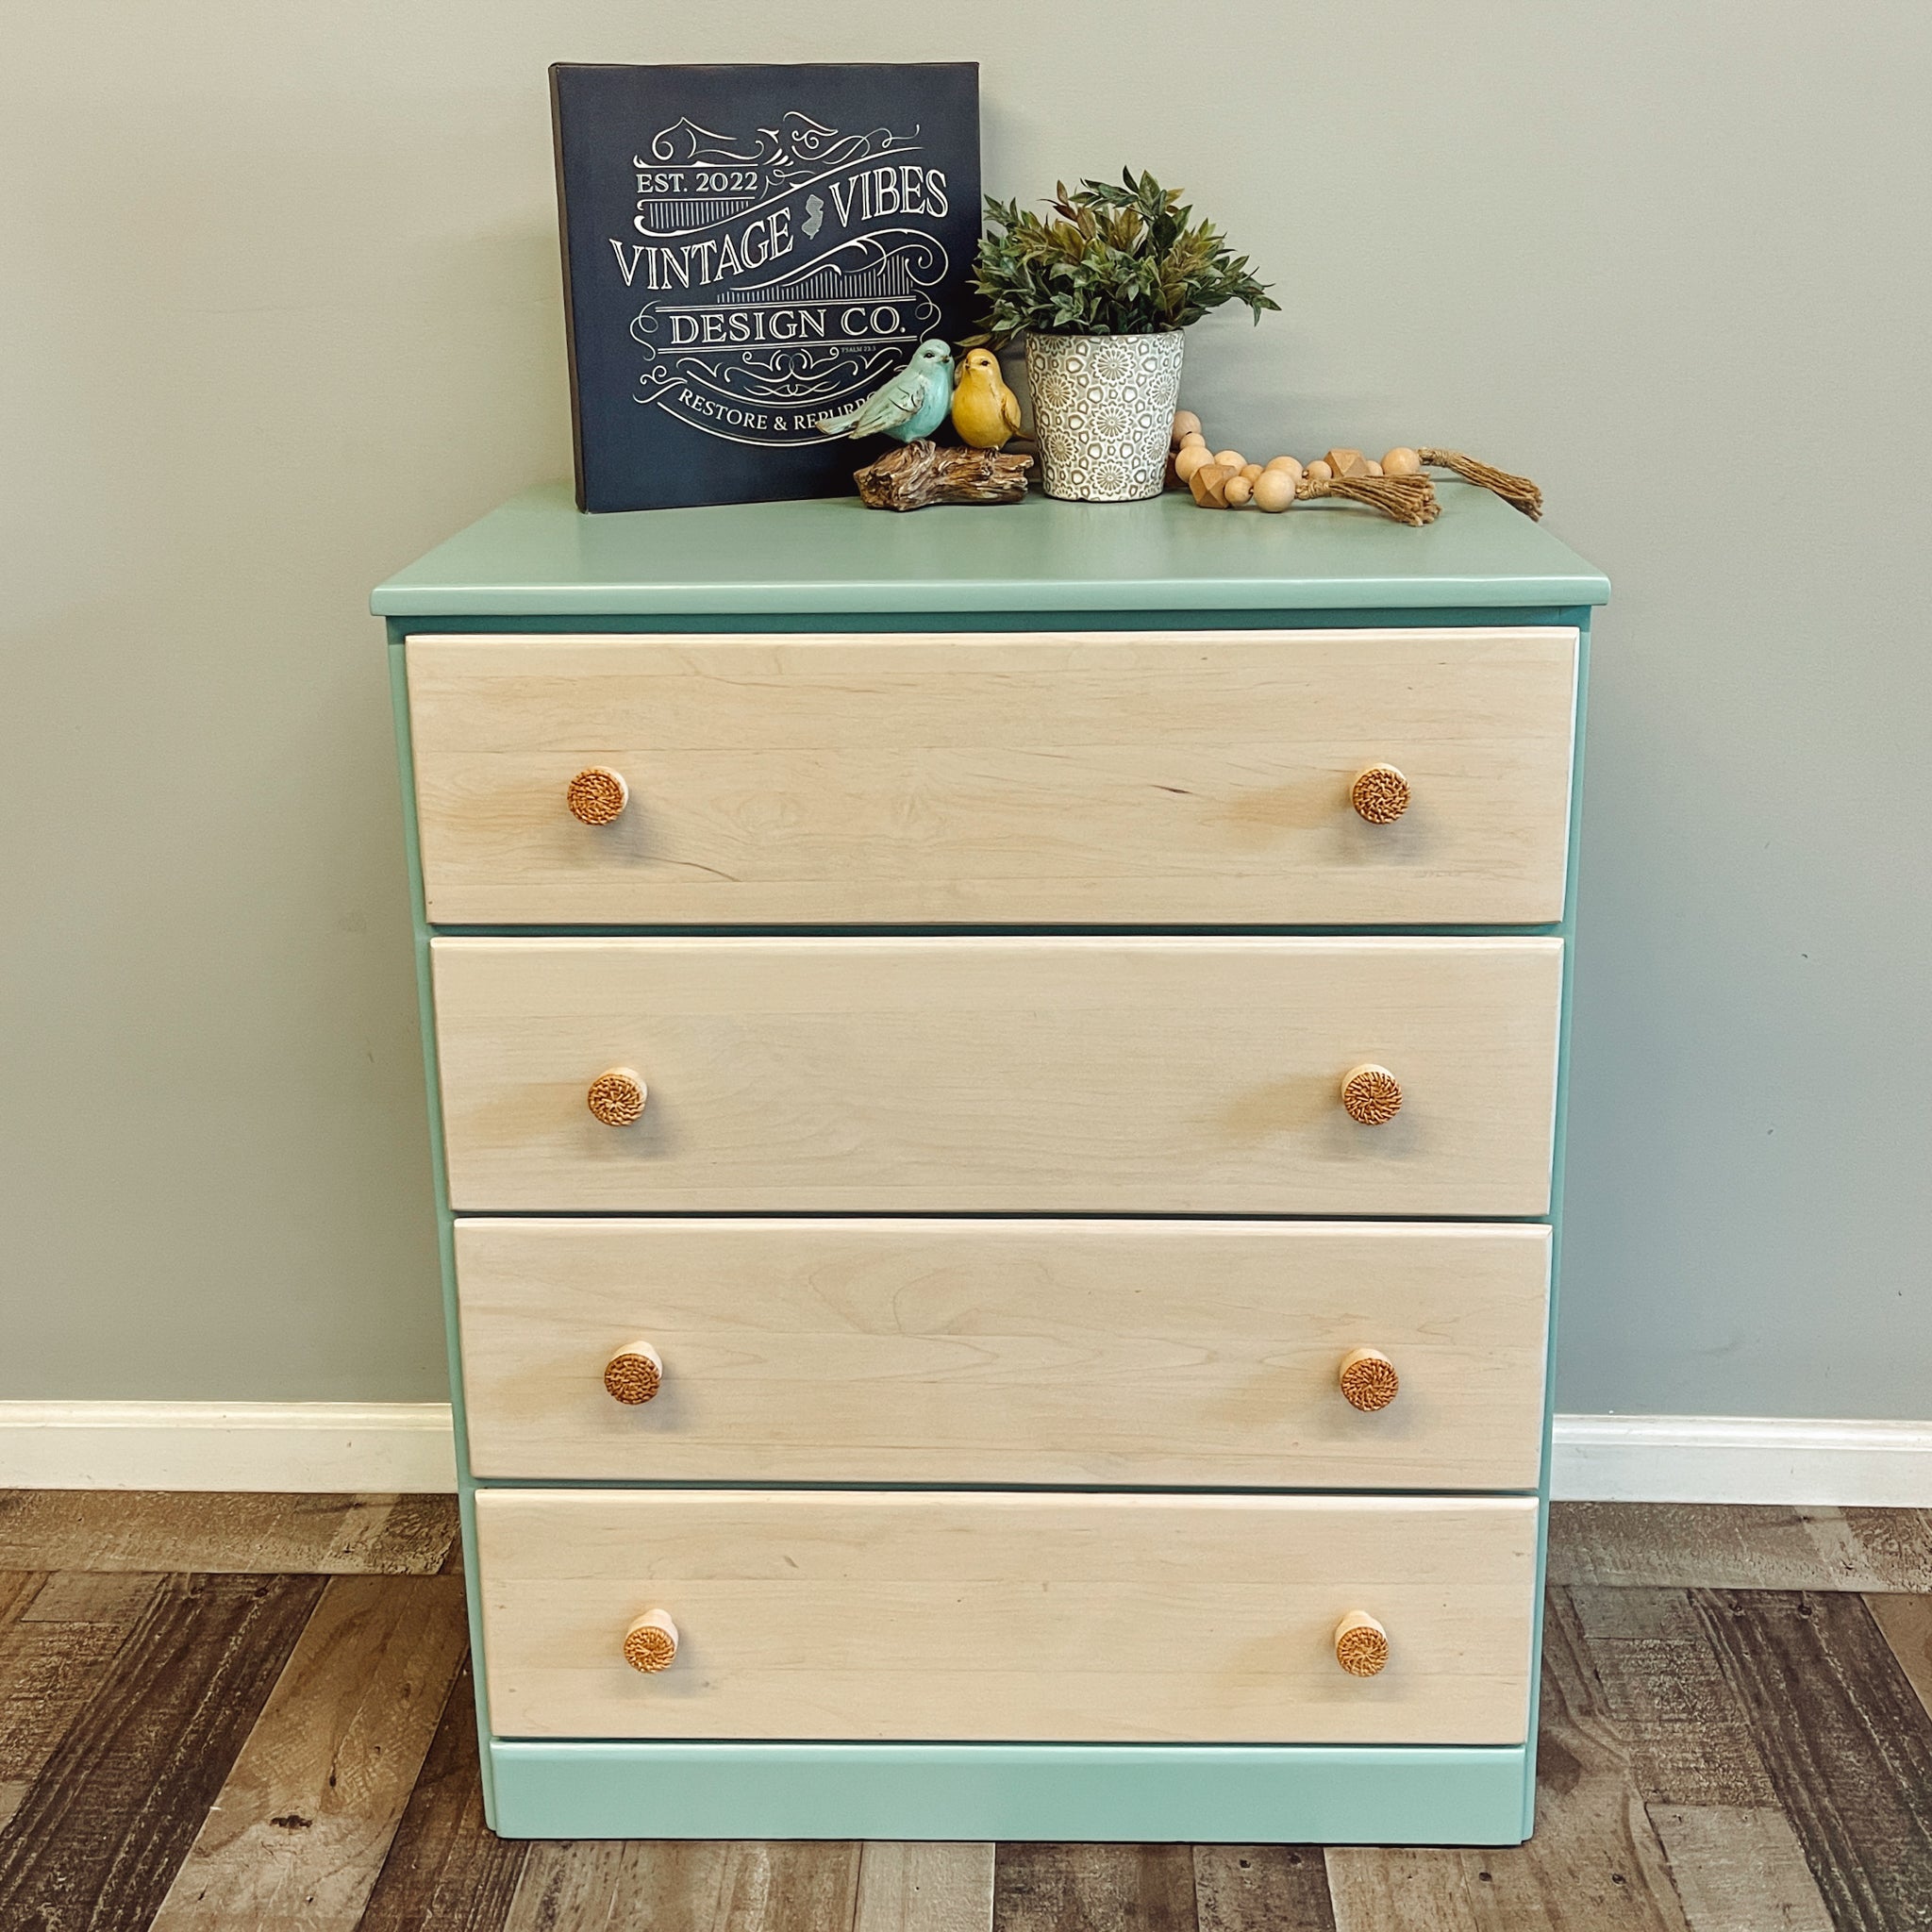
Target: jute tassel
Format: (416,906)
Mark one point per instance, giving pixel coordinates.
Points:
(1517,491)
(1404,499)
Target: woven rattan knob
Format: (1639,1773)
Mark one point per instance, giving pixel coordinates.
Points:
(651,1642)
(1380,794)
(597,794)
(1361,1644)
(636,1373)
(1371,1094)
(616,1097)
(1368,1378)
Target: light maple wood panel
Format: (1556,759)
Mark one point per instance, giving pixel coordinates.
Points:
(897,1615)
(1138,1352)
(1158,1075)
(1134,777)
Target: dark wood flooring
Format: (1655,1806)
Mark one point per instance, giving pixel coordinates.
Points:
(229,1712)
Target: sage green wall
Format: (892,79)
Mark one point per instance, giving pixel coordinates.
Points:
(279,310)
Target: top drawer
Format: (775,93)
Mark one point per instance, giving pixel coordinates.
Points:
(1106,778)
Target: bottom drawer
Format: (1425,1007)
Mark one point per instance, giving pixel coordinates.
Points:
(871,1615)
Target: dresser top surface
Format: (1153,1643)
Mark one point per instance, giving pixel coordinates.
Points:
(539,556)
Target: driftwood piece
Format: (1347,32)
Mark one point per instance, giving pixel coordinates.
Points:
(923,473)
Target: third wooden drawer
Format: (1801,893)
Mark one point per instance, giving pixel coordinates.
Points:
(1206,1353)
(999,1075)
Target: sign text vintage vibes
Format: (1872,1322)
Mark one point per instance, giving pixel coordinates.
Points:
(776,266)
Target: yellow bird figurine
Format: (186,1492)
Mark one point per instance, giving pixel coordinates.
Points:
(985,411)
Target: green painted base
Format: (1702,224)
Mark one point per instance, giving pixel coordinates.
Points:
(1080,1794)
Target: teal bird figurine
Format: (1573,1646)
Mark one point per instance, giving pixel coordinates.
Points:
(908,406)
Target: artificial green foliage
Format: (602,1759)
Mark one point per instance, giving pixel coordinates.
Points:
(1114,260)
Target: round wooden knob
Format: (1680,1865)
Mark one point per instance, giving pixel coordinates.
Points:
(597,794)
(651,1642)
(617,1097)
(1380,794)
(1371,1094)
(1367,1376)
(634,1375)
(1361,1644)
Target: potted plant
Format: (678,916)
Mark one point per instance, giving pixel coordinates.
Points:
(1101,293)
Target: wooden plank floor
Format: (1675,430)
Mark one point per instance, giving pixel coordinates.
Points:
(239,1713)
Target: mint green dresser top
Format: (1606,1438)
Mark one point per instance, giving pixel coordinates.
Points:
(538,556)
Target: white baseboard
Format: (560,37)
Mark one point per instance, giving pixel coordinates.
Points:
(401,1446)
(375,1447)
(1742,1458)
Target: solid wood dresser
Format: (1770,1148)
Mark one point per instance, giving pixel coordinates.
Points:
(997,1086)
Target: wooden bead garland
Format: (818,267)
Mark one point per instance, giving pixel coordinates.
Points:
(1397,487)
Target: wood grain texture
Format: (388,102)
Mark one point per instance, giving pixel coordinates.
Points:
(18,1590)
(1685,1735)
(1739,1546)
(51,1659)
(1846,1743)
(1140,778)
(925,1888)
(1110,1888)
(99,1833)
(1261,1888)
(1151,1076)
(1738,1869)
(446,1868)
(212,1532)
(695,1885)
(1596,1863)
(1191,1353)
(901,1615)
(1905,1623)
(302,1823)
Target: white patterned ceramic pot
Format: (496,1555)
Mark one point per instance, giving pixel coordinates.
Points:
(1103,410)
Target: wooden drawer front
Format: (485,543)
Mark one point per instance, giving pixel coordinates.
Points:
(1139,1352)
(1153,1075)
(1094,1618)
(1136,777)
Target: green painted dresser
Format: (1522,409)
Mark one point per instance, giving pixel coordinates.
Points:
(997,1082)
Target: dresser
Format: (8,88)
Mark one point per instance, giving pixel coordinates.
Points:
(996,1080)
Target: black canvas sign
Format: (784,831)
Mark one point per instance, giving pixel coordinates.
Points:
(747,249)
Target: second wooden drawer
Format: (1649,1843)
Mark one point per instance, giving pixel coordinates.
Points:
(1137,1353)
(1149,1075)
